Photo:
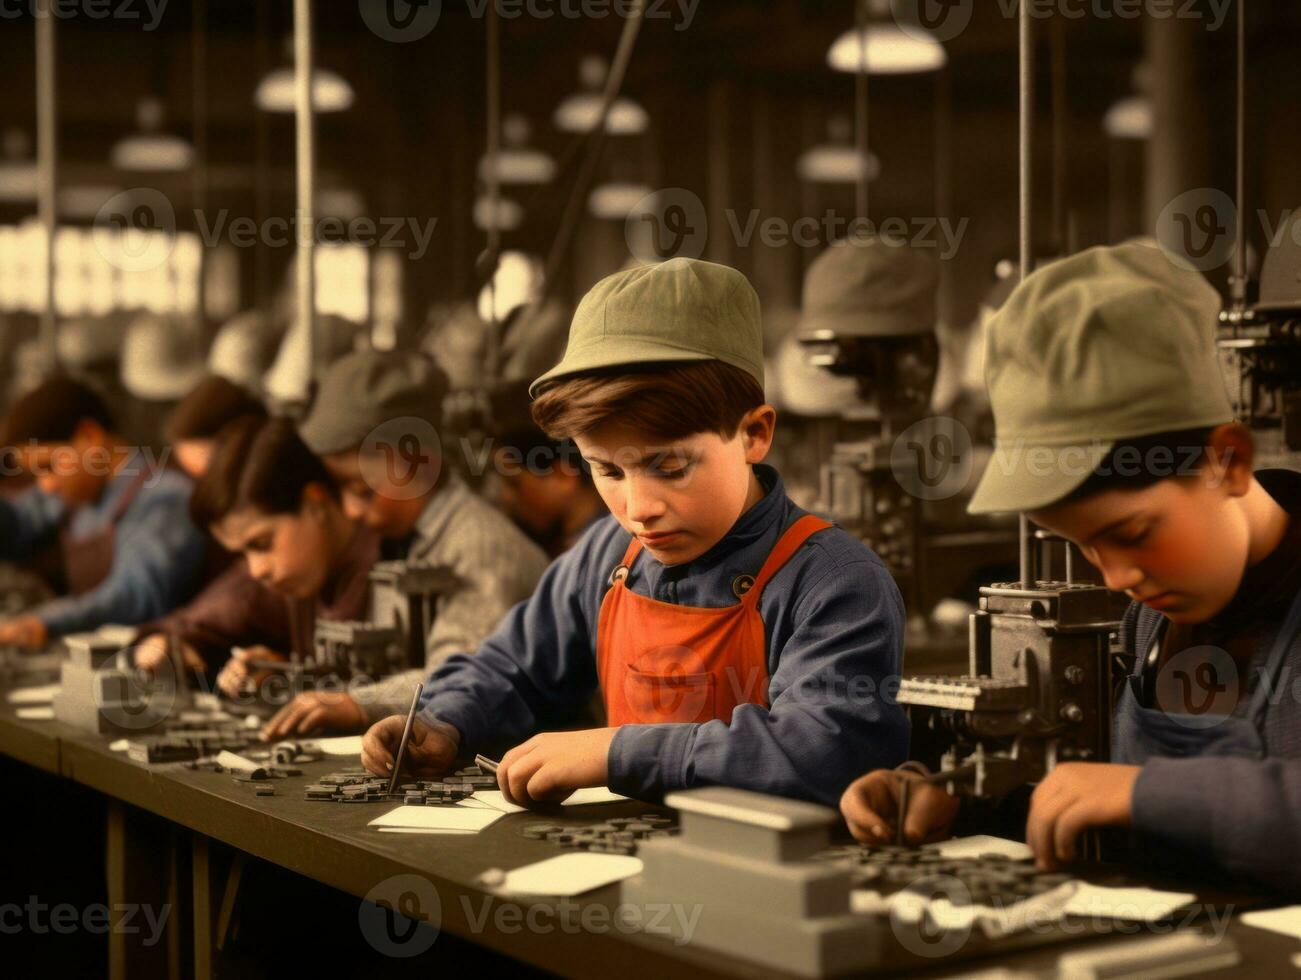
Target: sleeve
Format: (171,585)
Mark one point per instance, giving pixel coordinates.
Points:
(157,554)
(833,712)
(1241,811)
(496,574)
(535,666)
(27,521)
(232,610)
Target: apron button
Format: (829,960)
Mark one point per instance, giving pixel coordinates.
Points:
(742,584)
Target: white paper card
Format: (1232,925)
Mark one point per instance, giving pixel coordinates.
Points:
(579,797)
(974,847)
(570,874)
(1285,920)
(343,745)
(34,695)
(438,818)
(43,713)
(1132,904)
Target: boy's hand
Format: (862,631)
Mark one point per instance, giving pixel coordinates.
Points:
(871,808)
(151,653)
(430,753)
(549,767)
(314,710)
(24,631)
(1075,797)
(236,675)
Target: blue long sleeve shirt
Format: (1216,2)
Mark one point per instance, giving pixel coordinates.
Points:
(833,628)
(157,551)
(1239,814)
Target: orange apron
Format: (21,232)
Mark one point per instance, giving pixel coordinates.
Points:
(659,662)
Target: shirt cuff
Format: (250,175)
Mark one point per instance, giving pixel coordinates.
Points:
(647,761)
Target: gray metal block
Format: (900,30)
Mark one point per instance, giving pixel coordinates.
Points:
(816,947)
(788,890)
(752,825)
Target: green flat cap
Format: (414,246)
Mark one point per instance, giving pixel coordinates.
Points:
(679,310)
(364,390)
(1110,344)
(867,286)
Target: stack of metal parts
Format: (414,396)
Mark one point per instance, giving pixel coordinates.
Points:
(356,785)
(992,879)
(618,835)
(186,745)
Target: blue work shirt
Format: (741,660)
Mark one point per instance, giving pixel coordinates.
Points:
(833,628)
(157,551)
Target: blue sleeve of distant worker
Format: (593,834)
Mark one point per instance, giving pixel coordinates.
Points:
(157,557)
(27,521)
(833,713)
(536,664)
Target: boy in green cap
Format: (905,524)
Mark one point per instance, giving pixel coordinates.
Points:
(734,639)
(1114,431)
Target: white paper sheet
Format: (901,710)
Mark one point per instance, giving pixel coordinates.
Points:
(43,694)
(42,713)
(1286,921)
(1132,904)
(579,797)
(119,746)
(570,874)
(438,819)
(342,745)
(974,847)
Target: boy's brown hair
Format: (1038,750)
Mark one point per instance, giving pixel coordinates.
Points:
(667,401)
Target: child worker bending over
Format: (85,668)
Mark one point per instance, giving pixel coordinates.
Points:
(734,639)
(1114,430)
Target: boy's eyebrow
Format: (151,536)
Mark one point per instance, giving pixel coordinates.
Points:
(1111,527)
(648,458)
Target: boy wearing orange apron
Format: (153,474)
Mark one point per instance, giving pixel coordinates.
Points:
(733,638)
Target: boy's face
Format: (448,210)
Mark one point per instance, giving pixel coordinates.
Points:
(1179,546)
(678,498)
(75,472)
(289,553)
(371,498)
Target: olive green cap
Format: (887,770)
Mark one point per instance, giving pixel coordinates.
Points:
(363,390)
(868,286)
(1110,344)
(679,310)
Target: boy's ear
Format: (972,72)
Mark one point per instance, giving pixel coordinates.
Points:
(757,427)
(1230,453)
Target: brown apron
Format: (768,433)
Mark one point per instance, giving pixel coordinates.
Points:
(88,559)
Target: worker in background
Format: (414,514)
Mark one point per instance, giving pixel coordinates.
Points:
(218,618)
(267,497)
(541,483)
(375,423)
(1114,430)
(119,516)
(712,614)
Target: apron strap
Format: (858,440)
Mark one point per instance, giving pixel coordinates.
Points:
(128,497)
(1273,668)
(789,543)
(625,563)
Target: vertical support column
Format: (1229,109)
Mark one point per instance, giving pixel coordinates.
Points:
(305,148)
(47,147)
(1178,153)
(1027,214)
